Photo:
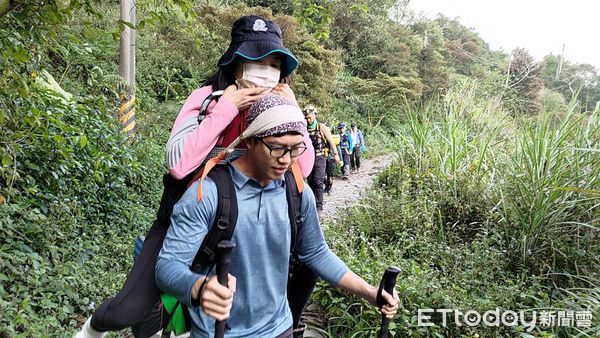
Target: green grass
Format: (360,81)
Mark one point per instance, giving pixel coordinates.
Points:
(481,210)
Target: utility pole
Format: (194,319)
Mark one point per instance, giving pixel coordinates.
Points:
(127,68)
(560,62)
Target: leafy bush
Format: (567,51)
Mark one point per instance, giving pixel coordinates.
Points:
(74,191)
(552,101)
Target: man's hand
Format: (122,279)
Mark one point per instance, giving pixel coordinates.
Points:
(391,307)
(336,157)
(356,285)
(245,97)
(391,303)
(216,299)
(284,90)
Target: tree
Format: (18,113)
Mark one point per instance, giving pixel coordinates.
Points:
(574,80)
(524,82)
(433,72)
(370,41)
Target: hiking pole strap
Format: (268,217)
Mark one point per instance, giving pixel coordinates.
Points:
(223,260)
(387,283)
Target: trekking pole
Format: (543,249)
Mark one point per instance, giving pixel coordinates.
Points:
(388,281)
(223,259)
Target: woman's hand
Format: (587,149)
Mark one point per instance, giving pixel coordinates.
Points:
(216,299)
(284,90)
(244,97)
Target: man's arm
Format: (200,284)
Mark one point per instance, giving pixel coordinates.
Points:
(326,132)
(190,222)
(362,139)
(354,284)
(315,252)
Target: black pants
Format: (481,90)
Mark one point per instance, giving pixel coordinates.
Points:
(316,178)
(355,158)
(139,294)
(346,159)
(329,170)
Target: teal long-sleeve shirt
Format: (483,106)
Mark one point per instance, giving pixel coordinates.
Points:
(260,259)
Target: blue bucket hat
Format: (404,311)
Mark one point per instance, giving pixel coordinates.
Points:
(254,37)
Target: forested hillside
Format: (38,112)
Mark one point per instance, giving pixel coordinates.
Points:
(492,201)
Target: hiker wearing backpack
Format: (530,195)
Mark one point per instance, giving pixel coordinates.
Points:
(256,63)
(320,136)
(358,147)
(254,302)
(346,148)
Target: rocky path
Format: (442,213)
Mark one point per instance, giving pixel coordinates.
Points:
(344,191)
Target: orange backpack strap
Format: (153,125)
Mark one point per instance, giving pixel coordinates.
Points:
(207,167)
(298,176)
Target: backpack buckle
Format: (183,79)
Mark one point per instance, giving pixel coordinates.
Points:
(223,223)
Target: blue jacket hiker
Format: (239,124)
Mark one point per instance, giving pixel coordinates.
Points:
(357,148)
(254,303)
(346,146)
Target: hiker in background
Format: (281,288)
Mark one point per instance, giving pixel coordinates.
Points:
(254,302)
(358,147)
(332,162)
(346,149)
(320,136)
(255,63)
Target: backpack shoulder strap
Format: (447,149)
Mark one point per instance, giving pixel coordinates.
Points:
(294,201)
(227,213)
(210,98)
(225,218)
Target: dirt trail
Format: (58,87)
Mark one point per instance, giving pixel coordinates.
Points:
(344,192)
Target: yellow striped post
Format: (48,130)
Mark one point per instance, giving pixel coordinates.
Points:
(127,69)
(127,113)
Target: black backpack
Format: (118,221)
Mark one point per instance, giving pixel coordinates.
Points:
(301,280)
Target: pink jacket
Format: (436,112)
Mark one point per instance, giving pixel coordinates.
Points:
(190,142)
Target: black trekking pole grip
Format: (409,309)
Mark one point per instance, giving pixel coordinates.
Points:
(388,281)
(223,260)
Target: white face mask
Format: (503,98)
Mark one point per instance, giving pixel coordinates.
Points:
(257,75)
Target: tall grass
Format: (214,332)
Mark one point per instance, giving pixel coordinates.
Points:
(480,209)
(552,195)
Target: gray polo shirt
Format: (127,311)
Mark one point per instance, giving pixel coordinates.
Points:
(260,260)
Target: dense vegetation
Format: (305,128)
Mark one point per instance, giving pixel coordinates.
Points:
(492,200)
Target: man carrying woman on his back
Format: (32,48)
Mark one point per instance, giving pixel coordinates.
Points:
(256,63)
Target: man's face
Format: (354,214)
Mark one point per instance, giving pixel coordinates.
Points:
(342,130)
(310,118)
(267,167)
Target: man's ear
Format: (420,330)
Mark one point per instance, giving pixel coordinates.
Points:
(250,142)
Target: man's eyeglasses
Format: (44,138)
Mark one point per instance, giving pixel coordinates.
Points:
(279,152)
